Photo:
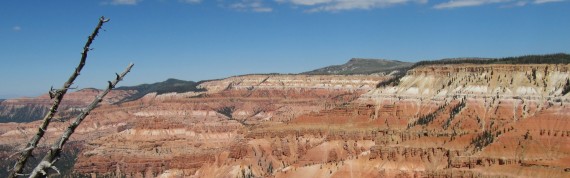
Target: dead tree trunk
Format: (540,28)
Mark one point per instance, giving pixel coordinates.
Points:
(53,153)
(57,95)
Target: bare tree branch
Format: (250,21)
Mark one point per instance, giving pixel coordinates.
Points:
(53,153)
(58,95)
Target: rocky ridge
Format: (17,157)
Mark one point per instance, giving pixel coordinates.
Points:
(31,109)
(464,119)
(444,120)
(477,124)
(167,130)
(363,66)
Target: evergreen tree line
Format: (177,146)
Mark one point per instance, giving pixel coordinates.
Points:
(558,58)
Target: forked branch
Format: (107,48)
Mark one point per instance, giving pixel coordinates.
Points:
(53,153)
(58,95)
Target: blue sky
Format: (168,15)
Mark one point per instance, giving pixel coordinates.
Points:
(41,41)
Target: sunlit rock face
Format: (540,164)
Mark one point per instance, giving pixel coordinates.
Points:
(182,133)
(467,120)
(298,82)
(460,120)
(499,80)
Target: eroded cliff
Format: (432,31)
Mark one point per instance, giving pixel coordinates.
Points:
(460,120)
(32,109)
(183,132)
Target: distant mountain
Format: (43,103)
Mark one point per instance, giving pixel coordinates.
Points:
(362,66)
(369,66)
(168,86)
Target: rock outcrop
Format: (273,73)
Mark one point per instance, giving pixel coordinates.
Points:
(364,66)
(460,120)
(32,109)
(478,120)
(183,133)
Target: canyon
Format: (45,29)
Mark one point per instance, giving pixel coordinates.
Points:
(433,120)
(30,109)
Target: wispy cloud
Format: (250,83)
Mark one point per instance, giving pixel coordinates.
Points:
(546,1)
(466,3)
(342,5)
(520,3)
(122,2)
(16,28)
(504,3)
(308,2)
(251,5)
(515,4)
(191,1)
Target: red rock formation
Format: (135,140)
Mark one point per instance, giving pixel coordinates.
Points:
(439,121)
(31,109)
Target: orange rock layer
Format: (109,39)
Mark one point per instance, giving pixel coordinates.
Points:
(439,121)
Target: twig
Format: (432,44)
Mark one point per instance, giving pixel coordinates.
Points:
(26,149)
(58,95)
(55,150)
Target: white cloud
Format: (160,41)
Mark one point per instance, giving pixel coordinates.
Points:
(250,5)
(466,3)
(469,3)
(340,5)
(521,3)
(16,28)
(123,2)
(191,1)
(309,2)
(546,1)
(345,5)
(262,9)
(514,4)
